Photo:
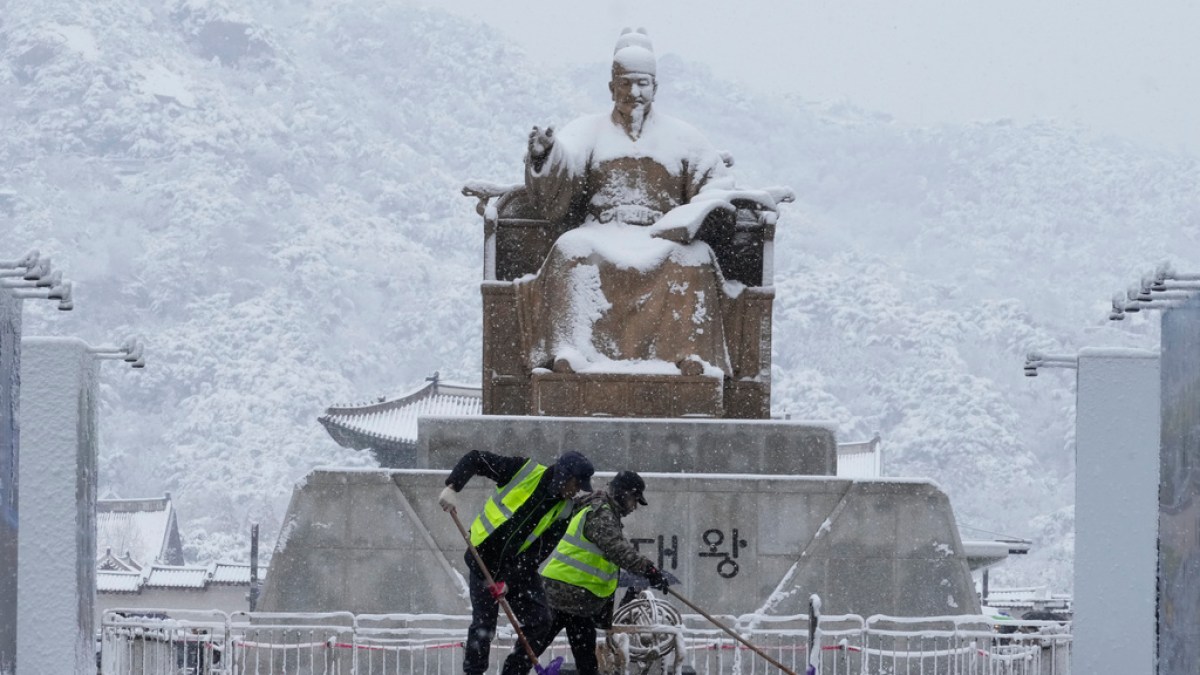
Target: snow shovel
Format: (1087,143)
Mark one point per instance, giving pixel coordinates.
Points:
(556,664)
(730,632)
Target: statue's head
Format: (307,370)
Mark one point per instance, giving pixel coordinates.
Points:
(633,85)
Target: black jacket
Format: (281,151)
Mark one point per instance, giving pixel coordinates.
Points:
(501,550)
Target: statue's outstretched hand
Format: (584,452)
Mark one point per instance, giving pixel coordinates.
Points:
(540,143)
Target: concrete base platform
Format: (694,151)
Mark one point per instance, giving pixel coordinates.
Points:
(663,445)
(375,541)
(625,395)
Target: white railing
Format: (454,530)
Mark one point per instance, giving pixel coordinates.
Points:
(964,644)
(180,642)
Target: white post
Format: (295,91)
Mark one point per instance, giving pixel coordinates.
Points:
(1116,511)
(57,551)
(1179,498)
(30,276)
(10,390)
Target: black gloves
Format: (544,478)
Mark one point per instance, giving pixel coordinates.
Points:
(657,579)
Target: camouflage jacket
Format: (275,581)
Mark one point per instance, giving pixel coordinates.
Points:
(603,528)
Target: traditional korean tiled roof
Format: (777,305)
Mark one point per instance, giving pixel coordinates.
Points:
(111,562)
(196,577)
(176,577)
(392,424)
(141,531)
(1034,597)
(233,573)
(118,582)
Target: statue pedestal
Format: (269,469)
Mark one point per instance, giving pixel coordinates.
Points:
(626,395)
(612,443)
(375,541)
(748,514)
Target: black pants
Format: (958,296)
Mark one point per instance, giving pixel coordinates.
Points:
(581,634)
(527,597)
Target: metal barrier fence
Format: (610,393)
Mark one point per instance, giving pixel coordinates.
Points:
(182,642)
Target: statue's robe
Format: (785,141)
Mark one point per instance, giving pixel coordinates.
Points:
(609,296)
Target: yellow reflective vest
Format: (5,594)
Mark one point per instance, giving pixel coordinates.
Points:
(579,562)
(508,498)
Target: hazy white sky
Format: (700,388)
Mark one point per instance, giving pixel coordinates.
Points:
(1126,67)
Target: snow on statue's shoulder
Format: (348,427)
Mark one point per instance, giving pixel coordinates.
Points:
(665,139)
(582,130)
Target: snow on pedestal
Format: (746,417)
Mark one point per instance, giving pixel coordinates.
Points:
(1116,511)
(57,556)
(10,389)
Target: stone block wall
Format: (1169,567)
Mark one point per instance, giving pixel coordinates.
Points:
(719,446)
(377,542)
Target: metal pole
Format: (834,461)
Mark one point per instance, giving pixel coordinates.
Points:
(814,638)
(729,631)
(253,566)
(556,664)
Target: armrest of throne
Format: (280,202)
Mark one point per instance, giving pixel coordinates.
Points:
(744,240)
(516,237)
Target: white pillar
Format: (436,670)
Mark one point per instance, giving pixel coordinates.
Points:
(57,554)
(1179,498)
(1116,511)
(10,390)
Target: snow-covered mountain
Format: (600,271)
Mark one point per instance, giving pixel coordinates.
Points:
(268,193)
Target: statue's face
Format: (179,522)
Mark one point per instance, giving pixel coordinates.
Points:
(631,91)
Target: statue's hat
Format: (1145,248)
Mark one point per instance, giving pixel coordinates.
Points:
(634,53)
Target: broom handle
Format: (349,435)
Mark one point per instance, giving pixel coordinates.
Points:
(732,634)
(512,619)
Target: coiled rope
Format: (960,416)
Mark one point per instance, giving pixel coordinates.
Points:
(647,611)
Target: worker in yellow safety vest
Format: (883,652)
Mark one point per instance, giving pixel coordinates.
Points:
(582,574)
(519,526)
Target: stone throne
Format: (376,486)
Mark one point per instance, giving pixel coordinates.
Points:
(516,242)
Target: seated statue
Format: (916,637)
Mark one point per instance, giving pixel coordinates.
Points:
(633,288)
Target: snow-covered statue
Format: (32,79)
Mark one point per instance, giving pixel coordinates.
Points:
(652,243)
